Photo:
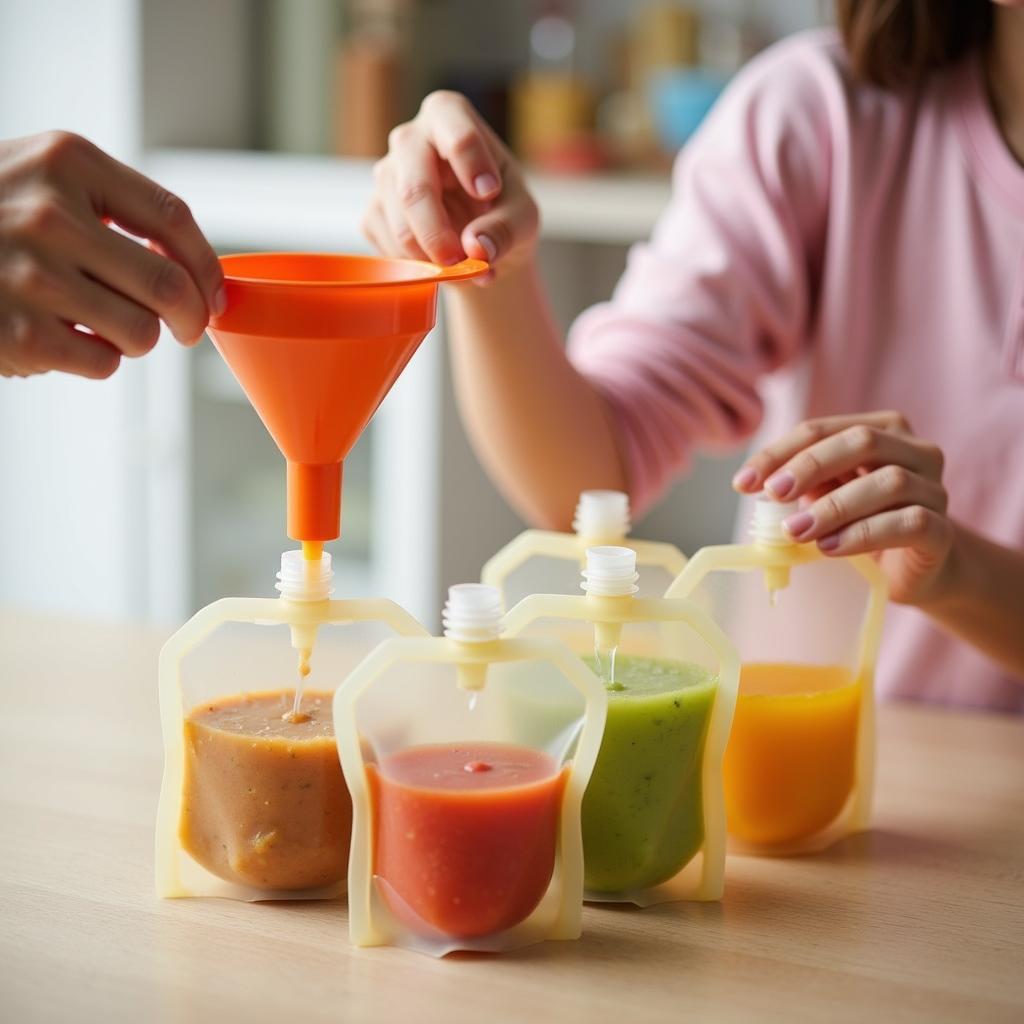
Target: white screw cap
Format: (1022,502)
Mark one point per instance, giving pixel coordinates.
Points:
(610,572)
(602,514)
(472,613)
(302,579)
(766,525)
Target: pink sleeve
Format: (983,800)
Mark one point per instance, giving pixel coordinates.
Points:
(723,291)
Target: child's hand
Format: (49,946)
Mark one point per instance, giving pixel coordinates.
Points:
(62,268)
(866,484)
(449,188)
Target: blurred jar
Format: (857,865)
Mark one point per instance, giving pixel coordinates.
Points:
(552,108)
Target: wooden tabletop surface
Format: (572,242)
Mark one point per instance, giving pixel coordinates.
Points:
(920,919)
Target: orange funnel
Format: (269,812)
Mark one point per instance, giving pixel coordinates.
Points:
(316,341)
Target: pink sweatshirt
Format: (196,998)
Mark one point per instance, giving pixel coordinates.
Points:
(834,248)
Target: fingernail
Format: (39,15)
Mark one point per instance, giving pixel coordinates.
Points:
(488,246)
(485,185)
(829,543)
(220,301)
(798,524)
(745,478)
(780,484)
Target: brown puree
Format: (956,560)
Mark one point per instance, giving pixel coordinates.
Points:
(264,800)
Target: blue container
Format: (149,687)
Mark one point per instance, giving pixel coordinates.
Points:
(679,100)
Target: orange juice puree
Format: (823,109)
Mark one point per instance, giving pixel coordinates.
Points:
(791,759)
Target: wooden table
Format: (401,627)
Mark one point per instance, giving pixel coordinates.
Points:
(921,919)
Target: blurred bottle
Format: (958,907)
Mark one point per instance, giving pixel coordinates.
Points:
(680,97)
(370,76)
(661,37)
(664,36)
(552,108)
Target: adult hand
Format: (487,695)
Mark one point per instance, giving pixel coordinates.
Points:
(449,188)
(76,295)
(866,484)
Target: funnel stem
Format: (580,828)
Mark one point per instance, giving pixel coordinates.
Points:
(314,501)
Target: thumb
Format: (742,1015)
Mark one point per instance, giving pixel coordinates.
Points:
(496,233)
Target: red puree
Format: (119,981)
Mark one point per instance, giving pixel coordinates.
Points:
(465,835)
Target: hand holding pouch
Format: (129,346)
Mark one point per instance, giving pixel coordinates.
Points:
(799,767)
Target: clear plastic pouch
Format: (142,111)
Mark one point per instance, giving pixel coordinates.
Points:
(547,562)
(653,814)
(799,767)
(467,758)
(253,804)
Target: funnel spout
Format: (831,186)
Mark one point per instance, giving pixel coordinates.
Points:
(314,500)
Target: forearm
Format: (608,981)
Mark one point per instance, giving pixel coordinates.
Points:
(983,599)
(539,427)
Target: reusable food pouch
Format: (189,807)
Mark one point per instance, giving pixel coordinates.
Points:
(653,814)
(799,766)
(467,757)
(546,562)
(253,804)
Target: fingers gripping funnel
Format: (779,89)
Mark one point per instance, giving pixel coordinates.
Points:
(317,341)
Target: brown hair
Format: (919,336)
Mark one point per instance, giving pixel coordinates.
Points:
(896,43)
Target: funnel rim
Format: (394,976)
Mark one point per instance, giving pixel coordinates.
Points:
(435,274)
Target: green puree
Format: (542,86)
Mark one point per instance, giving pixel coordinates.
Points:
(643,813)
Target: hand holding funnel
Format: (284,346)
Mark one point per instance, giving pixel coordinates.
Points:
(317,341)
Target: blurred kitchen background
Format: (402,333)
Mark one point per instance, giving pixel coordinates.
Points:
(153,493)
